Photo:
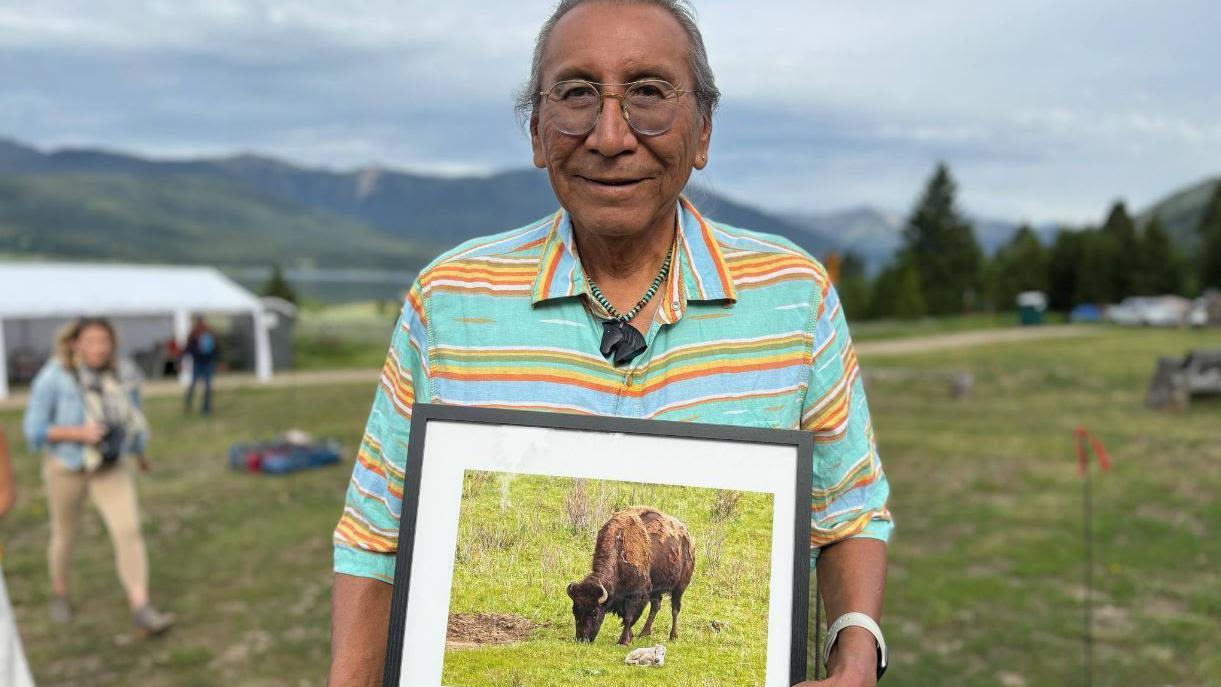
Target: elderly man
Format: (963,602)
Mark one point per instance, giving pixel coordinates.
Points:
(625,302)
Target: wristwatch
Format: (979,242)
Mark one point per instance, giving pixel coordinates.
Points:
(856,620)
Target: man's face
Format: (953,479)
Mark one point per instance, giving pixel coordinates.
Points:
(613,181)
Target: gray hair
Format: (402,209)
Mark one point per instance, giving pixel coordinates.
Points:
(706,93)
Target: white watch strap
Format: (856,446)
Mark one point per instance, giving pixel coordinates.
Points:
(856,620)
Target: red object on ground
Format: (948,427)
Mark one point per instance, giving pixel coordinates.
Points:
(254,461)
(1082,435)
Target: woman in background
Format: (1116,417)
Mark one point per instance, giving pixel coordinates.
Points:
(14,670)
(84,415)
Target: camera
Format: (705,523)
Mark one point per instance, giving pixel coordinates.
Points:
(111,445)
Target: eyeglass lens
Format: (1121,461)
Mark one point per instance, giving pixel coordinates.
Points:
(649,106)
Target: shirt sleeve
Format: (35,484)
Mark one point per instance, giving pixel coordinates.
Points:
(366,538)
(849,489)
(40,410)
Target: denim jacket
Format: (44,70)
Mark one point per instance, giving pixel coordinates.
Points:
(56,400)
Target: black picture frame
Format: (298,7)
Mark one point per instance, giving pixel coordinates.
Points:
(423,413)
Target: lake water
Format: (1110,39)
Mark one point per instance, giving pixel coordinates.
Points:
(332,286)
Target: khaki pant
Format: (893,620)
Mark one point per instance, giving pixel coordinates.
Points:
(113,491)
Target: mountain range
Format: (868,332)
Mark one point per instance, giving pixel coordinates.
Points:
(1182,211)
(84,203)
(66,203)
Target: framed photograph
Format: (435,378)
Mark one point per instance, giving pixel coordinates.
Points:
(557,550)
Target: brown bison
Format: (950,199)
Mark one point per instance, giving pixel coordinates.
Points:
(640,555)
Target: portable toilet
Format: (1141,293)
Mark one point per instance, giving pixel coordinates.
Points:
(1032,305)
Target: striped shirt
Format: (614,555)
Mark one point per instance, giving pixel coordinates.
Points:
(749,332)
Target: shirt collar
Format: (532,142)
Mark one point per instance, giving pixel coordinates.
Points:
(699,273)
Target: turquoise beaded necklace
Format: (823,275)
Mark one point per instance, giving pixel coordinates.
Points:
(644,300)
(621,341)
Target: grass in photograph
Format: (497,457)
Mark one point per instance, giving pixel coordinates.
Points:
(523,538)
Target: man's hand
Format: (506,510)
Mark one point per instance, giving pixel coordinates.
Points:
(869,680)
(854,661)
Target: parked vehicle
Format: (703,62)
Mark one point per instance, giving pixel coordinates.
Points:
(1152,311)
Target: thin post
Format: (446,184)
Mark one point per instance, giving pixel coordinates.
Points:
(1084,442)
(1089,578)
(182,331)
(3,364)
(262,343)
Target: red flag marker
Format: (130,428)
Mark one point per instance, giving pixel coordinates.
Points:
(1083,436)
(1084,440)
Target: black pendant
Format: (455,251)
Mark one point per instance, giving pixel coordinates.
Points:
(621,341)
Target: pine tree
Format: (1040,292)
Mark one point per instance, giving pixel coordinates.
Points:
(1210,242)
(941,246)
(993,280)
(885,289)
(853,286)
(909,301)
(1161,267)
(278,286)
(1124,246)
(1020,265)
(897,292)
(1095,269)
(1062,268)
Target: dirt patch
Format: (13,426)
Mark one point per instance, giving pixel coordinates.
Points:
(481,629)
(942,342)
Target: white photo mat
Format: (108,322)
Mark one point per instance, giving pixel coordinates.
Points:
(453,447)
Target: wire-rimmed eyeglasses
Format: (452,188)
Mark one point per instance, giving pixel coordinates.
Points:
(649,105)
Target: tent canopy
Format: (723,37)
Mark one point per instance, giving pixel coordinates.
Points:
(38,290)
(67,290)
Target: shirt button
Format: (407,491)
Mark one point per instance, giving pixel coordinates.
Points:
(674,304)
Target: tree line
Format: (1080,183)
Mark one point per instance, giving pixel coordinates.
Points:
(940,268)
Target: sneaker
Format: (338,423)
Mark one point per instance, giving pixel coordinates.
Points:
(148,621)
(60,609)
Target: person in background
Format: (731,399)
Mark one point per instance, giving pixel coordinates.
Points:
(14,670)
(173,357)
(84,416)
(202,346)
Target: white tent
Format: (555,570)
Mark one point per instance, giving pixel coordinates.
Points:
(44,291)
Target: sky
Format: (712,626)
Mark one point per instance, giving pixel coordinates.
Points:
(1046,111)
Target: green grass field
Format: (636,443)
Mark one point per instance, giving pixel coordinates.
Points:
(985,582)
(355,334)
(348,335)
(986,576)
(875,330)
(523,538)
(243,560)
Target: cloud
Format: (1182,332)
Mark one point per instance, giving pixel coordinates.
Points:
(1045,110)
